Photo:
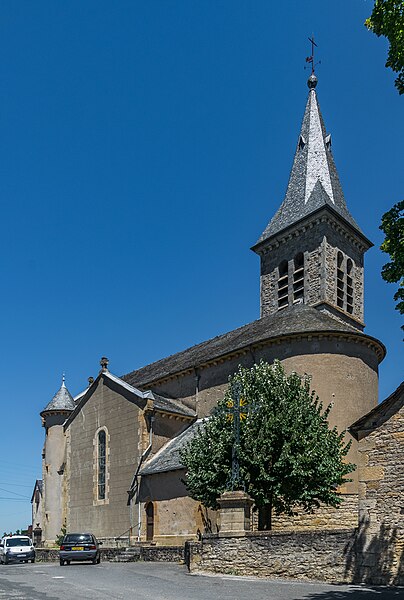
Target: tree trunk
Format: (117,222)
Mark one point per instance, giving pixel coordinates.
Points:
(265,516)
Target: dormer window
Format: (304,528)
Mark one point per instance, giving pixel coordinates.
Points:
(283,285)
(298,278)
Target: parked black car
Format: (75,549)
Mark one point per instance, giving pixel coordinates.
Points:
(79,547)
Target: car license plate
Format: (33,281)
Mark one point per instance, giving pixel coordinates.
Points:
(77,548)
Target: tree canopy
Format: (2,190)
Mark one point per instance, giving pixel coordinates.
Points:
(393,271)
(288,455)
(387,19)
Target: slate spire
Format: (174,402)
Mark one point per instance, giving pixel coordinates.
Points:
(314,180)
(61,401)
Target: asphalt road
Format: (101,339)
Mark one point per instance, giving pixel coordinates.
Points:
(161,581)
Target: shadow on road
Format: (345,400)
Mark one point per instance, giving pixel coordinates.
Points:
(367,593)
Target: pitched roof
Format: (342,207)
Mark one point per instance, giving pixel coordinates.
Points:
(37,486)
(380,414)
(61,401)
(293,320)
(170,406)
(161,404)
(314,180)
(168,457)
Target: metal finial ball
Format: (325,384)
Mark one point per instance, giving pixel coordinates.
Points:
(104,363)
(312,81)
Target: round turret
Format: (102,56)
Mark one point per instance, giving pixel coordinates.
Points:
(58,409)
(54,416)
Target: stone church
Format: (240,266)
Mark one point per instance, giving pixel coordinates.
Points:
(111,455)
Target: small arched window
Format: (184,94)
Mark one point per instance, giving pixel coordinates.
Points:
(345,274)
(340,280)
(349,286)
(298,278)
(102,465)
(283,285)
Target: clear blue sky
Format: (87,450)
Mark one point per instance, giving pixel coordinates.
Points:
(143,148)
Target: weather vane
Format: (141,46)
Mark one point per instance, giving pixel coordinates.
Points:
(310,59)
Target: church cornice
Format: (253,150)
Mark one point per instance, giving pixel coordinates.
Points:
(324,214)
(175,417)
(357,338)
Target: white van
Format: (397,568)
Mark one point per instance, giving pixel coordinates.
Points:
(16,548)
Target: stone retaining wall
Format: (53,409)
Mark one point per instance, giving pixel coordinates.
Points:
(146,553)
(47,554)
(324,517)
(162,553)
(322,555)
(52,554)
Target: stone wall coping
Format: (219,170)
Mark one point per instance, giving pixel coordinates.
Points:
(235,499)
(284,533)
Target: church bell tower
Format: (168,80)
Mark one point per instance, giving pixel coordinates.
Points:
(312,250)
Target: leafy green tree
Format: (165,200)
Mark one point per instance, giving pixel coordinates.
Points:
(387,19)
(288,455)
(59,538)
(393,271)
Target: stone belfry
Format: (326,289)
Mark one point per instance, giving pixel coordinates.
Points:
(312,249)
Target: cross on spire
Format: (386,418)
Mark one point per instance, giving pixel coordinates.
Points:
(310,59)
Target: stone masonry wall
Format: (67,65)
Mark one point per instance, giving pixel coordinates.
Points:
(381,503)
(317,555)
(358,279)
(145,553)
(313,279)
(107,409)
(320,246)
(330,273)
(325,517)
(268,293)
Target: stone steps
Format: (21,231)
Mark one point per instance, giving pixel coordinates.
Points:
(131,554)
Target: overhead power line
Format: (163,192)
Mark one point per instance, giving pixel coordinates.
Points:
(14,499)
(15,493)
(16,484)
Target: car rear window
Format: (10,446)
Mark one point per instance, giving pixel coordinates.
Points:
(75,538)
(13,542)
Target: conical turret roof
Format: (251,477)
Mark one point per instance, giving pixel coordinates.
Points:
(62,400)
(314,180)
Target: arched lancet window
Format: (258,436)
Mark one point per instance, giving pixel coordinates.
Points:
(102,465)
(283,285)
(349,286)
(345,274)
(298,278)
(340,280)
